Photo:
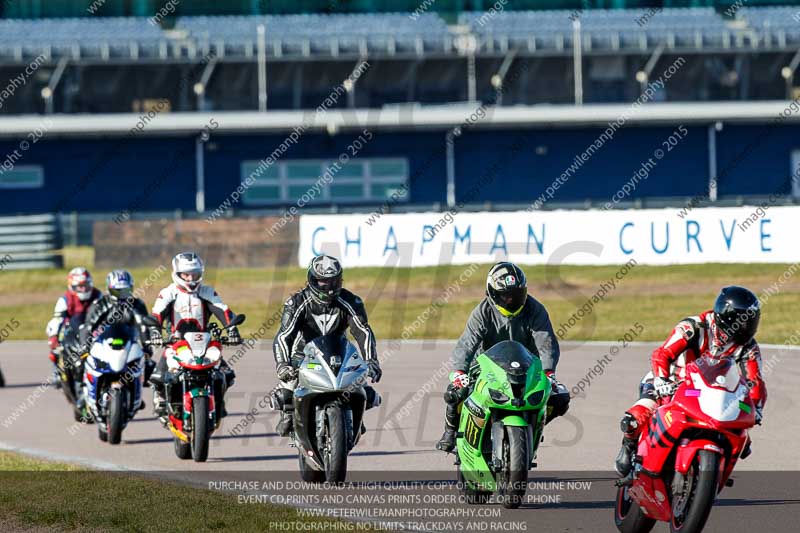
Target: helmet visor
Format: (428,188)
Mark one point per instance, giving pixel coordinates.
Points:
(327,288)
(190,277)
(82,287)
(510,300)
(120,294)
(740,327)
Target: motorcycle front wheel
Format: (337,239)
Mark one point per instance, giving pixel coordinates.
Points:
(335,447)
(117,409)
(513,481)
(699,491)
(200,429)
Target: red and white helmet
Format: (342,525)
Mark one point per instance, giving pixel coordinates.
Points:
(79,281)
(187,271)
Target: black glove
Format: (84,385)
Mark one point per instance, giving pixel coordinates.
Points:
(375,370)
(233,336)
(286,372)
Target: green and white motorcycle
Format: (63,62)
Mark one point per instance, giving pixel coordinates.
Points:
(501,424)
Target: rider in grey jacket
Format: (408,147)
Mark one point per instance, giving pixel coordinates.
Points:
(507,313)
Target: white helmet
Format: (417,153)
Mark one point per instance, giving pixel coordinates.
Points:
(80,282)
(187,271)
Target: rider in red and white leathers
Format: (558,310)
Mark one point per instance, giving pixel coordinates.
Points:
(188,305)
(71,307)
(725,331)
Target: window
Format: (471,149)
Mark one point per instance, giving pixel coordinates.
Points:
(323,181)
(22,177)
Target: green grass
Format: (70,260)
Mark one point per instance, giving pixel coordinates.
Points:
(656,296)
(62,497)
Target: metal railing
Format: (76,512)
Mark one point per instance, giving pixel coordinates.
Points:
(30,242)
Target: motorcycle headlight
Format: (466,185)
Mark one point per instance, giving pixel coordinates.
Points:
(536,398)
(497,396)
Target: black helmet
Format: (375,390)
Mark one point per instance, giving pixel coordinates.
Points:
(324,278)
(736,313)
(507,288)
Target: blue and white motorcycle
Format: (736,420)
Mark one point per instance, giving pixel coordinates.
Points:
(112,380)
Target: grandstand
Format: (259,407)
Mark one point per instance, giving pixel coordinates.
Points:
(420,56)
(721,70)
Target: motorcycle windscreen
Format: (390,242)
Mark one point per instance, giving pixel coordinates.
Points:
(721,372)
(333,349)
(720,386)
(119,334)
(111,345)
(512,357)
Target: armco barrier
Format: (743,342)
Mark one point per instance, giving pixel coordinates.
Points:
(30,242)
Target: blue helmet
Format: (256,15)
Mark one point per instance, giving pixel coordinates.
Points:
(120,284)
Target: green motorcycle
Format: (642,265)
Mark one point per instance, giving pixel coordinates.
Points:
(501,424)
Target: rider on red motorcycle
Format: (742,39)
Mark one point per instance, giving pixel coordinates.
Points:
(186,305)
(725,331)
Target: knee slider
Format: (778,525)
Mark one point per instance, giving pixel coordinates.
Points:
(628,423)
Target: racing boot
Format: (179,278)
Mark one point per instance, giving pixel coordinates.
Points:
(149,368)
(448,441)
(159,400)
(56,380)
(159,403)
(285,425)
(746,451)
(624,461)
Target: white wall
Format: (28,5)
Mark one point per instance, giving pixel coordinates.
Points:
(650,236)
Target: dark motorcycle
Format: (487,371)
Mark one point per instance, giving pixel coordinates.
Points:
(70,363)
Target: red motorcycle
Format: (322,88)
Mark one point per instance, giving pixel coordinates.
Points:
(688,452)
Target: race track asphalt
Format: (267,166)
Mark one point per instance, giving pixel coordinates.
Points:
(402,432)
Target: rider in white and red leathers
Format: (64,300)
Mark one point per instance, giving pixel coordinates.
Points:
(70,309)
(728,330)
(188,305)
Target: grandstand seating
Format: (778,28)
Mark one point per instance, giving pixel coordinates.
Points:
(322,34)
(393,34)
